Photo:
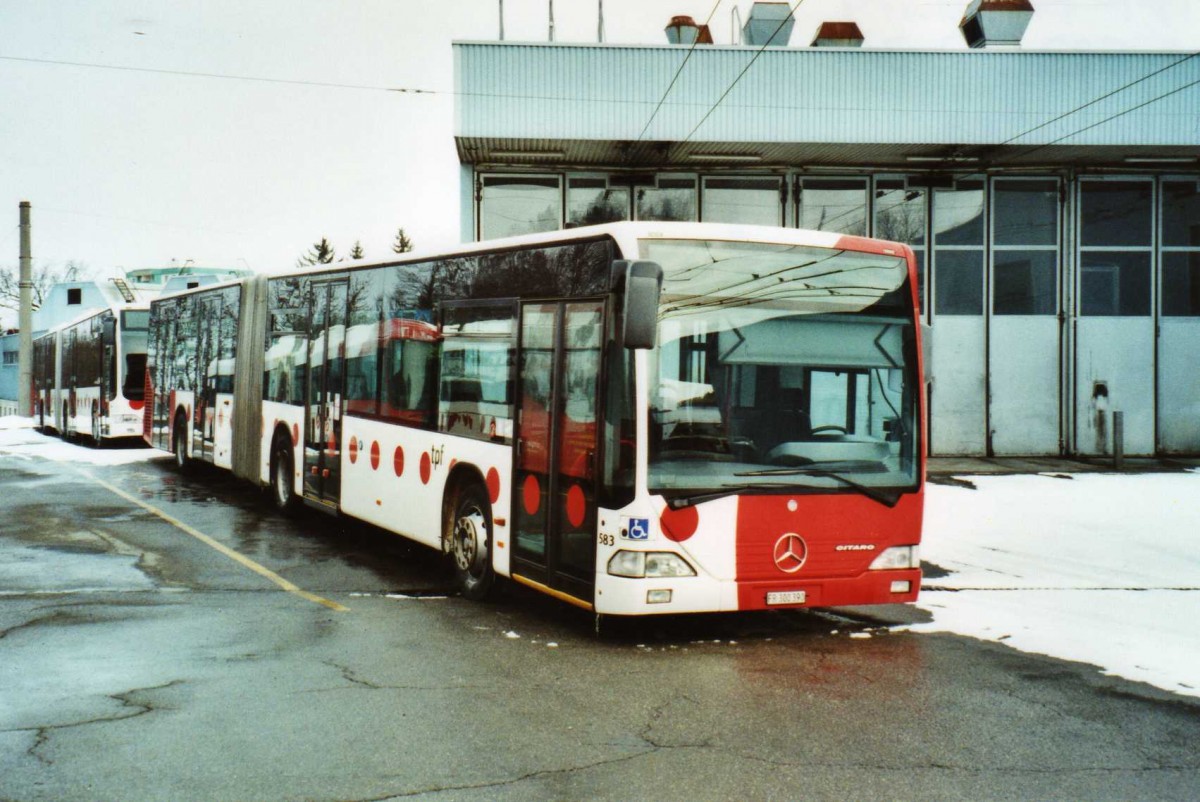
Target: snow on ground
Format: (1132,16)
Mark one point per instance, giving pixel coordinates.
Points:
(19,440)
(1101,569)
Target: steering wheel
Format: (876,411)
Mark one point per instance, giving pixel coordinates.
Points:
(829,428)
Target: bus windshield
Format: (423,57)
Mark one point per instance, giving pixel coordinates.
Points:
(135,319)
(781,368)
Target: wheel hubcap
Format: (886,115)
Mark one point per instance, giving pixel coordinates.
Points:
(469,534)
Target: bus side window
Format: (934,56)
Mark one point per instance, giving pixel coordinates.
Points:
(475,396)
(366,341)
(410,373)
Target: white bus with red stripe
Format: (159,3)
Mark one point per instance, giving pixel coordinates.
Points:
(89,375)
(634,418)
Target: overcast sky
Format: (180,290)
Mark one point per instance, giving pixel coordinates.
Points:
(128,168)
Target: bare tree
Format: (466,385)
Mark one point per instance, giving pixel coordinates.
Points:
(45,276)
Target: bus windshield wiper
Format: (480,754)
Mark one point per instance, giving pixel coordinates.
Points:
(885,498)
(679,502)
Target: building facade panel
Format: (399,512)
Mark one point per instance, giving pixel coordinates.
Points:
(825,95)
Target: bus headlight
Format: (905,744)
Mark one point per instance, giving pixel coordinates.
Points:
(638,564)
(896,557)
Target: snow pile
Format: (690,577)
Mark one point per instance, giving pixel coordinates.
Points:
(19,440)
(1102,569)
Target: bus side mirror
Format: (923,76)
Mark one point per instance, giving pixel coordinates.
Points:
(108,334)
(639,305)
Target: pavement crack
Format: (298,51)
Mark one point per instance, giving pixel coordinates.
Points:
(132,709)
(646,734)
(533,775)
(57,617)
(353,678)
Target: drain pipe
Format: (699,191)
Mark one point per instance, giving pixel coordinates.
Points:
(1118,418)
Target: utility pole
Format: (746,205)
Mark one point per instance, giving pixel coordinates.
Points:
(25,321)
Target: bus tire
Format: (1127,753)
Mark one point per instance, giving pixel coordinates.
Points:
(283,491)
(470,543)
(179,443)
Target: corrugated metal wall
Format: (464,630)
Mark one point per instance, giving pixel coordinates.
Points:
(592,92)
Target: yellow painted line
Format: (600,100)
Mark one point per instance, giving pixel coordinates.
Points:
(558,594)
(237,557)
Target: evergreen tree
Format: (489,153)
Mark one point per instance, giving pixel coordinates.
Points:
(402,244)
(356,252)
(321,253)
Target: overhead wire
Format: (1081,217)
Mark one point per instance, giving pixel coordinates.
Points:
(222,76)
(492,95)
(1108,119)
(725,94)
(675,77)
(1105,96)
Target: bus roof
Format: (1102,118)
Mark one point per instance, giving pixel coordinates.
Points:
(625,234)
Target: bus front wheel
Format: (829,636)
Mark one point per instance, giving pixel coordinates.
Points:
(471,543)
(283,491)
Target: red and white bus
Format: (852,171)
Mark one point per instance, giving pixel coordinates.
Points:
(634,418)
(89,375)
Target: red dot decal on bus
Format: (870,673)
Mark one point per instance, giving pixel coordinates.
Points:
(576,506)
(295,434)
(531,494)
(136,405)
(425,466)
(679,525)
(374,455)
(493,485)
(353,450)
(398,460)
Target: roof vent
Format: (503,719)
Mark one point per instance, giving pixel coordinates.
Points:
(988,23)
(838,34)
(685,31)
(768,24)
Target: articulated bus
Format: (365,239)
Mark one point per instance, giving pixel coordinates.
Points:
(89,375)
(633,418)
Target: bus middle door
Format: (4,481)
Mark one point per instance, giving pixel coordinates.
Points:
(209,329)
(323,399)
(554,509)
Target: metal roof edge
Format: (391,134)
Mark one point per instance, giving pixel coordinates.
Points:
(1016,51)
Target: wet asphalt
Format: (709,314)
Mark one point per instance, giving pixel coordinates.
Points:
(138,662)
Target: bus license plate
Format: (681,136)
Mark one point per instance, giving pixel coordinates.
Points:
(786,597)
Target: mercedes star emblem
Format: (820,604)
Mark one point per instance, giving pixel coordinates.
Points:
(790,553)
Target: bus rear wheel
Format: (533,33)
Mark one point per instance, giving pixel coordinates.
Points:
(179,445)
(283,491)
(471,543)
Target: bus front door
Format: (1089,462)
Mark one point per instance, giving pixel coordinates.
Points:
(323,399)
(554,508)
